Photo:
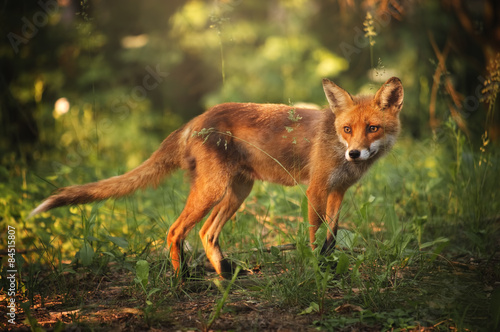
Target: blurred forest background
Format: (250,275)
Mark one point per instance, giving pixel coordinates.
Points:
(128,72)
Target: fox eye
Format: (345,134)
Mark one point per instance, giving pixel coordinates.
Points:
(373,129)
(347,129)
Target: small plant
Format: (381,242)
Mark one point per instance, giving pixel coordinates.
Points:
(220,304)
(86,253)
(32,321)
(472,192)
(385,321)
(142,279)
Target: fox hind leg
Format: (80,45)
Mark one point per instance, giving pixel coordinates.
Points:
(202,198)
(222,212)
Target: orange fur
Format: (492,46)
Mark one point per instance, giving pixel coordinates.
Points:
(231,145)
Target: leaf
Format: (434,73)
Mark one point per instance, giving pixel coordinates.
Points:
(313,307)
(119,241)
(94,212)
(442,244)
(110,254)
(346,239)
(495,309)
(439,240)
(343,264)
(153,291)
(304,206)
(321,236)
(275,251)
(142,272)
(92,238)
(392,220)
(86,254)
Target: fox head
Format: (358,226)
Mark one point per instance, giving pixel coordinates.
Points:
(366,126)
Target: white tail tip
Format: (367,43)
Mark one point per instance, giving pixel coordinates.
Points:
(39,209)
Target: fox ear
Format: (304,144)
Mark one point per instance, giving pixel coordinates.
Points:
(390,95)
(338,98)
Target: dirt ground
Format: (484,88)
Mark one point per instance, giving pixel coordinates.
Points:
(114,303)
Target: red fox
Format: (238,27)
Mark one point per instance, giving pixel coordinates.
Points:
(227,148)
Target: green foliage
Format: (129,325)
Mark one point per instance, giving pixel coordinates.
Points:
(142,273)
(220,303)
(32,321)
(495,309)
(384,321)
(142,279)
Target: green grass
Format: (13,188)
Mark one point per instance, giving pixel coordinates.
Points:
(413,228)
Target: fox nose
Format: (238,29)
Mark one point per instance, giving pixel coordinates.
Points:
(354,154)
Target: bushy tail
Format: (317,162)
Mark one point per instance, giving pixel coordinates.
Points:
(161,163)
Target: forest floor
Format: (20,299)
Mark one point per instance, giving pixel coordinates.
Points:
(113,301)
